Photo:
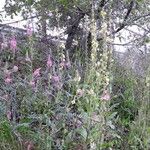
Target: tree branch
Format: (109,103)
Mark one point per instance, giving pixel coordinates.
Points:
(129,23)
(126,16)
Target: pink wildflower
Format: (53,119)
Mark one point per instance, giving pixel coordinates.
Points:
(30,146)
(9,115)
(5,97)
(78,124)
(62,64)
(13,44)
(65,64)
(56,82)
(7,73)
(15,68)
(36,73)
(49,62)
(8,80)
(56,78)
(68,65)
(106,95)
(4,45)
(50,14)
(32,83)
(95,117)
(29,32)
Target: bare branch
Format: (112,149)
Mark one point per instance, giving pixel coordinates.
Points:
(130,22)
(126,17)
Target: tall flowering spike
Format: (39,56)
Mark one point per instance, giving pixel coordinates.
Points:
(49,62)
(105,96)
(29,31)
(13,44)
(36,73)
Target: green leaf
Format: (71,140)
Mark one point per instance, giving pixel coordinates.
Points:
(30,2)
(112,116)
(147,40)
(109,123)
(83,132)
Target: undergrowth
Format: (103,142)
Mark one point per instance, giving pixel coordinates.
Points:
(45,105)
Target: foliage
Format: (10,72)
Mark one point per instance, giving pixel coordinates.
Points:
(65,93)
